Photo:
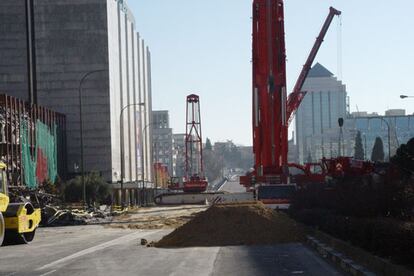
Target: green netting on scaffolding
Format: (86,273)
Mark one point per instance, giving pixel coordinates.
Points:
(42,165)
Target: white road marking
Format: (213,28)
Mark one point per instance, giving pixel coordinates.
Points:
(47,273)
(123,239)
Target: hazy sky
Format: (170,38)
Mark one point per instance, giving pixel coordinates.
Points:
(204,47)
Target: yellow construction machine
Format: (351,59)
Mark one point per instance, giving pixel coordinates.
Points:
(18,220)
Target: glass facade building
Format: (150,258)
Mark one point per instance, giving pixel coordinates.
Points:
(401,130)
(318,134)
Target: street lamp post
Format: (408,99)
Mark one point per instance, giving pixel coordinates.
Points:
(81,130)
(142,161)
(155,149)
(389,138)
(121,131)
(365,146)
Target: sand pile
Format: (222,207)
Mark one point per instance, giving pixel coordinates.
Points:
(235,224)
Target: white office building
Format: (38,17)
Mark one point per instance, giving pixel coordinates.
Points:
(317,130)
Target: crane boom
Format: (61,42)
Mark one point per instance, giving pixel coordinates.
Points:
(297,95)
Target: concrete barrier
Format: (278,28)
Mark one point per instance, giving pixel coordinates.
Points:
(201,198)
(351,259)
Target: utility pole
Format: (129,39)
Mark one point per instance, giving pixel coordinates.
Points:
(31,52)
(143,160)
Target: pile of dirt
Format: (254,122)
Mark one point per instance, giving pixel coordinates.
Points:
(235,224)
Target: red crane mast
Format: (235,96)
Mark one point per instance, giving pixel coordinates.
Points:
(195,180)
(269,91)
(272,111)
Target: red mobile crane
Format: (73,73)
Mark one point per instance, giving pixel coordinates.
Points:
(271,110)
(195,180)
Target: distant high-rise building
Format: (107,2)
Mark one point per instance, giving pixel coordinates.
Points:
(317,132)
(162,139)
(179,155)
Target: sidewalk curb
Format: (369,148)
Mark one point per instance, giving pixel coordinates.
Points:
(353,260)
(337,258)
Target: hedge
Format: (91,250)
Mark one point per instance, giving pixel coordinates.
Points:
(385,237)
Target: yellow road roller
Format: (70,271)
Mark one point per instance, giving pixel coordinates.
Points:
(18,220)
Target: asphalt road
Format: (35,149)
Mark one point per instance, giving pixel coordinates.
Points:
(233,186)
(96,250)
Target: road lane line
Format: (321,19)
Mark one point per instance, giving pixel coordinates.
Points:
(123,239)
(48,273)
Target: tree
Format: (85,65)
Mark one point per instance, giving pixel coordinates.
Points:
(404,158)
(358,149)
(212,165)
(97,190)
(208,145)
(378,150)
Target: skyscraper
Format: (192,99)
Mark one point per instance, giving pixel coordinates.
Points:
(92,39)
(317,131)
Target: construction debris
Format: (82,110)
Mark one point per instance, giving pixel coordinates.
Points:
(57,216)
(153,222)
(156,217)
(235,224)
